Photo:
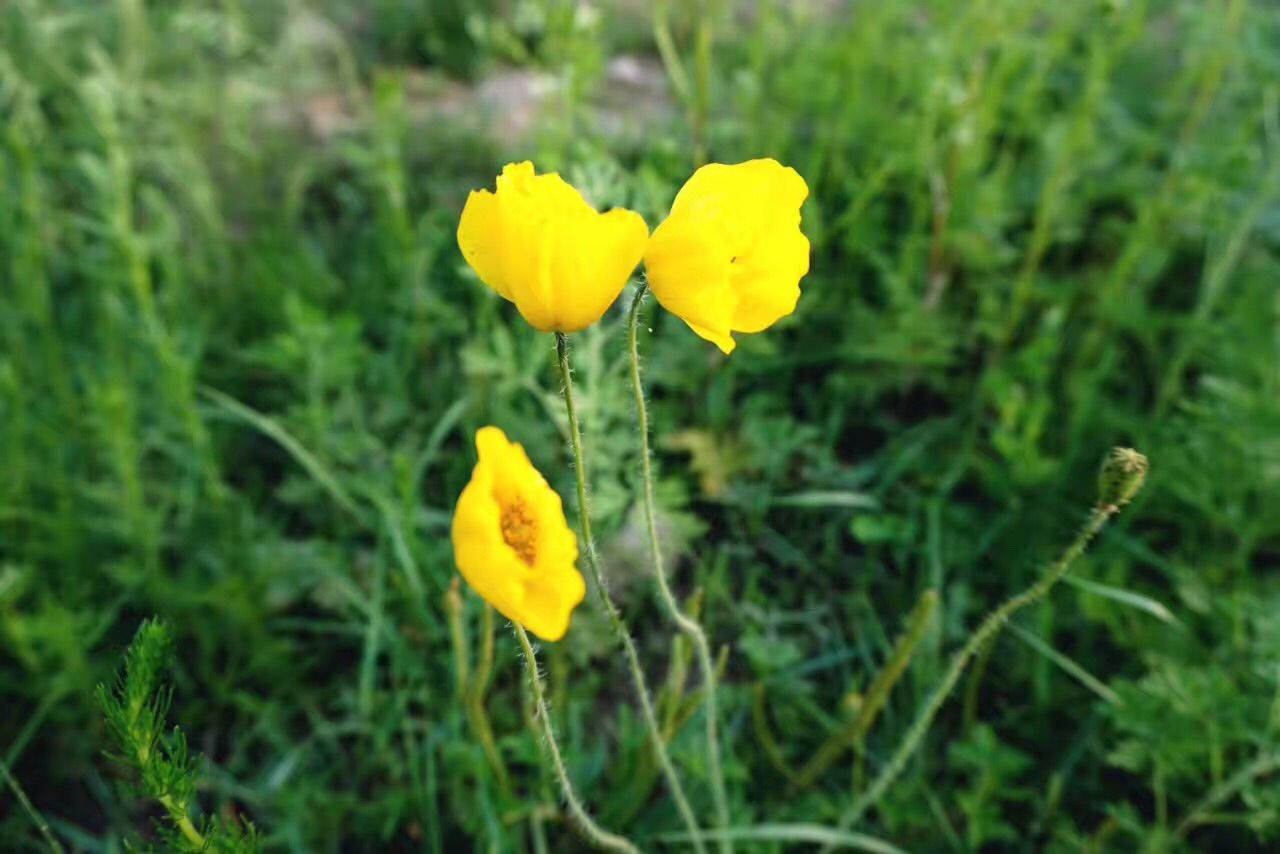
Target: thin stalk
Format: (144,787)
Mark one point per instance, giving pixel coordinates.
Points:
(991,626)
(461,656)
(475,700)
(686,624)
(702,82)
(853,732)
(667,51)
(472,685)
(31,811)
(764,734)
(615,616)
(594,833)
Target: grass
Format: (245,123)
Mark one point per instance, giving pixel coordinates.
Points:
(242,360)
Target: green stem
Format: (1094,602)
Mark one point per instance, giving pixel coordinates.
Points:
(853,732)
(991,626)
(29,808)
(667,51)
(597,835)
(178,812)
(615,616)
(686,624)
(702,82)
(461,658)
(475,700)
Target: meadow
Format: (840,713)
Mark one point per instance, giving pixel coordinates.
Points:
(242,363)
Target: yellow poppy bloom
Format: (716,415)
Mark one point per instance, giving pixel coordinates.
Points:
(512,543)
(730,256)
(539,244)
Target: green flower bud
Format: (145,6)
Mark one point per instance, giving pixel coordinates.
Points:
(1122,474)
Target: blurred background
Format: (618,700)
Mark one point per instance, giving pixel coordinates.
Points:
(242,360)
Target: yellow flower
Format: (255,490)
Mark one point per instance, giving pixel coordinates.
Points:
(730,256)
(512,543)
(539,244)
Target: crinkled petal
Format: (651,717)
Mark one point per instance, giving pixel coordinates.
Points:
(746,218)
(549,603)
(487,563)
(767,279)
(687,264)
(746,200)
(593,260)
(540,597)
(480,237)
(538,243)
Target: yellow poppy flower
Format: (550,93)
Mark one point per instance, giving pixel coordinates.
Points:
(512,543)
(539,244)
(730,256)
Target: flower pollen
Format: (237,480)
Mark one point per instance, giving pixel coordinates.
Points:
(519,531)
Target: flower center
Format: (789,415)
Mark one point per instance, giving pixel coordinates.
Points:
(520,531)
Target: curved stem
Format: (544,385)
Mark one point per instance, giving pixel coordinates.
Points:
(994,622)
(615,616)
(597,835)
(686,624)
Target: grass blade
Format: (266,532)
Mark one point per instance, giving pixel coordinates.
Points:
(1126,597)
(1083,676)
(811,833)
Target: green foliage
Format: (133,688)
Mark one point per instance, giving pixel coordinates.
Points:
(135,709)
(241,363)
(991,771)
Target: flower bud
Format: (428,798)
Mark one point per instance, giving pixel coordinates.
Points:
(1122,474)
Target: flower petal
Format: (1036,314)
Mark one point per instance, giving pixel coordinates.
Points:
(767,279)
(592,261)
(540,596)
(730,256)
(688,263)
(485,561)
(480,232)
(745,199)
(549,603)
(539,244)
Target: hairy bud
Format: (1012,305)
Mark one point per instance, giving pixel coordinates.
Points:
(1122,475)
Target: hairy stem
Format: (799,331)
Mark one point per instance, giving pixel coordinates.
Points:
(594,833)
(615,616)
(686,624)
(991,626)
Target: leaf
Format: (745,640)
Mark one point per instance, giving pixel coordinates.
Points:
(1086,678)
(1126,597)
(819,498)
(811,833)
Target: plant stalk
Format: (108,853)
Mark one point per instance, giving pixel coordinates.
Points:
(991,626)
(477,712)
(686,624)
(594,833)
(179,814)
(611,609)
(29,808)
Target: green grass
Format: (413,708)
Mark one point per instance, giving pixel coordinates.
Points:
(241,362)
